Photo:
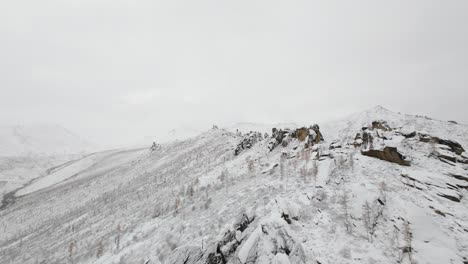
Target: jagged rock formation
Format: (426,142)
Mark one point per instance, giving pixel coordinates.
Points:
(454,146)
(311,136)
(382,125)
(301,134)
(389,154)
(248,141)
(373,143)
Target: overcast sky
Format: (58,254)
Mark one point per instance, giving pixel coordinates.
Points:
(113,70)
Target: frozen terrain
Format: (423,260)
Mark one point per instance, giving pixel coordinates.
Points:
(40,140)
(28,152)
(382,187)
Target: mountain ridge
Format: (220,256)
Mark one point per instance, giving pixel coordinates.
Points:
(282,199)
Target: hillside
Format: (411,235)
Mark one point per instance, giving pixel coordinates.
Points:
(381,187)
(26,152)
(43,140)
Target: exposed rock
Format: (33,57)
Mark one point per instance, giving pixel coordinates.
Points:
(454,146)
(248,141)
(357,140)
(381,125)
(459,177)
(367,140)
(389,154)
(286,218)
(335,144)
(318,136)
(409,135)
(271,239)
(302,133)
(216,253)
(188,254)
(283,136)
(277,137)
(451,197)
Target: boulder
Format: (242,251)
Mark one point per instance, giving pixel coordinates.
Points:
(381,125)
(390,154)
(318,136)
(302,133)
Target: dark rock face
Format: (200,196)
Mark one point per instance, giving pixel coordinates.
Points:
(381,125)
(459,177)
(318,136)
(409,135)
(451,197)
(248,141)
(454,146)
(389,154)
(367,140)
(278,137)
(282,137)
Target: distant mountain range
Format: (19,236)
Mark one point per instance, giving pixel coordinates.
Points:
(44,139)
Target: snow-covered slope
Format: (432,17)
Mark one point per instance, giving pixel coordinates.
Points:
(44,140)
(344,200)
(27,151)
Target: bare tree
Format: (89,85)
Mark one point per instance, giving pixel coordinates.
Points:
(71,250)
(371,215)
(282,166)
(250,166)
(99,249)
(351,160)
(383,191)
(224,178)
(367,217)
(314,172)
(177,203)
(117,238)
(408,239)
(307,154)
(345,204)
(303,172)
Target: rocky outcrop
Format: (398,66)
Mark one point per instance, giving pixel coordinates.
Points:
(311,135)
(318,135)
(453,145)
(301,134)
(390,154)
(335,145)
(215,253)
(248,141)
(381,125)
(277,137)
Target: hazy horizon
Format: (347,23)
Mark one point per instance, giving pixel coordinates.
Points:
(117,71)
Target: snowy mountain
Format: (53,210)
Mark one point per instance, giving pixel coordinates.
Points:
(43,140)
(374,187)
(26,152)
